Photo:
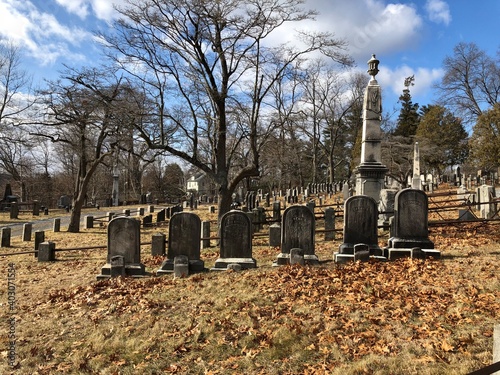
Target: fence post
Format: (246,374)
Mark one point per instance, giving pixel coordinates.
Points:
(89,222)
(57,225)
(39,238)
(496,346)
(205,233)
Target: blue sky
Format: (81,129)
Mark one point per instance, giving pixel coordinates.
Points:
(408,37)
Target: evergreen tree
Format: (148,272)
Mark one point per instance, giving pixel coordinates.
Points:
(485,140)
(409,118)
(442,138)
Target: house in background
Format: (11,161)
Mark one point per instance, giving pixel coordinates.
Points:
(200,184)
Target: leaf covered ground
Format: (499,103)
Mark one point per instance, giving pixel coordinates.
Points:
(401,317)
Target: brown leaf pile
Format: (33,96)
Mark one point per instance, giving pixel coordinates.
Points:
(340,314)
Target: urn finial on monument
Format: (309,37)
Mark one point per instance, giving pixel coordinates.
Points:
(373,67)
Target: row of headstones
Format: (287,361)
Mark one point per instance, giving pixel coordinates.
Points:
(14,209)
(409,238)
(184,243)
(147,220)
(6,234)
(252,199)
(409,232)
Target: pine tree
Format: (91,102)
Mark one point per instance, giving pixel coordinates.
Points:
(409,118)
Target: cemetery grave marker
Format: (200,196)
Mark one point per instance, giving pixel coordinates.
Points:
(409,229)
(297,231)
(235,241)
(124,235)
(184,238)
(360,227)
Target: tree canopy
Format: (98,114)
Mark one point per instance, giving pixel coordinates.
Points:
(442,138)
(485,140)
(207,68)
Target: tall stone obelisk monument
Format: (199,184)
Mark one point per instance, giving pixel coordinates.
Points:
(371,172)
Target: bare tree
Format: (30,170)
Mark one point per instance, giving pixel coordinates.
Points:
(471,83)
(332,102)
(80,117)
(15,102)
(209,68)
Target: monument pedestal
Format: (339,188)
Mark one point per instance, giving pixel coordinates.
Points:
(370,178)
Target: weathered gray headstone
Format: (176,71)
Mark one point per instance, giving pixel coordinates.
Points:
(486,194)
(158,244)
(181,266)
(360,227)
(409,227)
(275,235)
(57,225)
(386,205)
(235,241)
(39,238)
(46,252)
(360,224)
(329,224)
(297,231)
(117,266)
(184,238)
(5,239)
(124,239)
(297,256)
(27,229)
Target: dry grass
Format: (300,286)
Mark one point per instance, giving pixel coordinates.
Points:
(403,317)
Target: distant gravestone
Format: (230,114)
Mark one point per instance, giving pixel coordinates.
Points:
(27,229)
(360,227)
(124,234)
(275,235)
(297,231)
(14,210)
(147,221)
(235,241)
(158,244)
(5,233)
(329,224)
(160,216)
(184,238)
(409,228)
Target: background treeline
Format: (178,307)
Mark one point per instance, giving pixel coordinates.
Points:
(194,87)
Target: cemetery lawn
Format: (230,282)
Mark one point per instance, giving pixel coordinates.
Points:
(401,317)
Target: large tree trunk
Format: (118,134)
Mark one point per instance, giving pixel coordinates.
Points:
(225,200)
(76,214)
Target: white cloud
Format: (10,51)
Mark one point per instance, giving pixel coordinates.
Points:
(394,79)
(438,11)
(78,7)
(369,26)
(102,9)
(39,31)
